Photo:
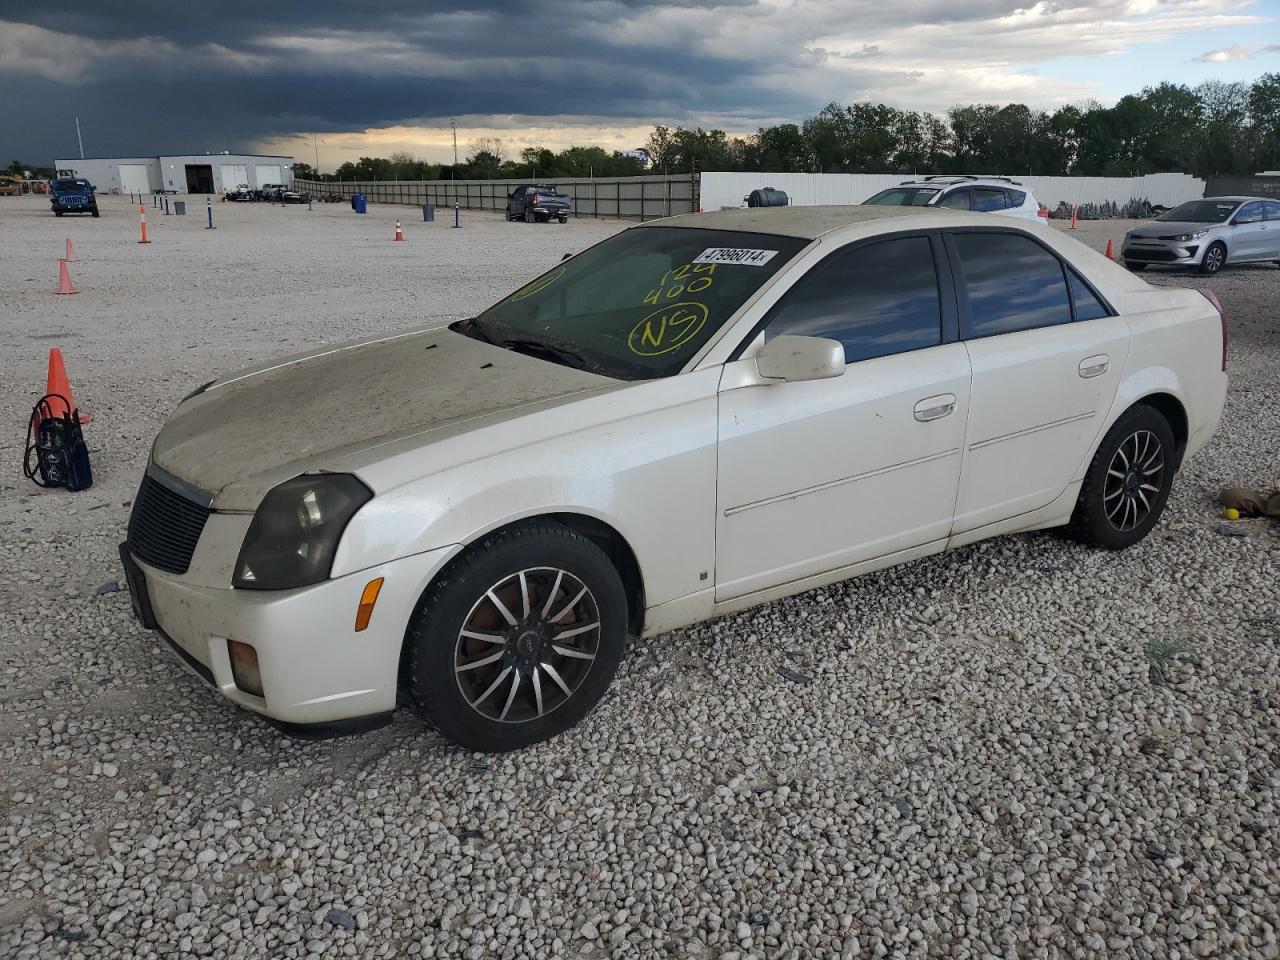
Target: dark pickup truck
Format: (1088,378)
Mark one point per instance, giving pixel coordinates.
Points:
(538,202)
(72,195)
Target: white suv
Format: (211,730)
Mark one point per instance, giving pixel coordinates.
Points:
(983,194)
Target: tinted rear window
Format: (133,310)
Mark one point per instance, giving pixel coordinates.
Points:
(903,197)
(987,199)
(1013,284)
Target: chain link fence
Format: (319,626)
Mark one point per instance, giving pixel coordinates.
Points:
(632,198)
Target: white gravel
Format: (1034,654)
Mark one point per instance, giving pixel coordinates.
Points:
(1021,749)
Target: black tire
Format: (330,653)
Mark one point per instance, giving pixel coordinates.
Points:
(529,217)
(1215,258)
(513,563)
(95,212)
(57,213)
(1113,511)
(563,219)
(1135,265)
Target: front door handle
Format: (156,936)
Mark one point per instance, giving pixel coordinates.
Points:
(1094,366)
(935,408)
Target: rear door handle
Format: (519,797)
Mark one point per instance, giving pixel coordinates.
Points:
(935,408)
(1094,366)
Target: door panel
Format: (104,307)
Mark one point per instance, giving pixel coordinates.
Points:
(818,475)
(1039,400)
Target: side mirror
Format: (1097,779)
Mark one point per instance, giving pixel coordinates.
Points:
(789,359)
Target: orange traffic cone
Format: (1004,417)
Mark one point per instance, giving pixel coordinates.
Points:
(64,278)
(1110,252)
(71,252)
(58,384)
(399,232)
(1074,209)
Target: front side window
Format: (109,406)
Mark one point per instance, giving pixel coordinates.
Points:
(638,305)
(956,200)
(988,199)
(1013,284)
(903,197)
(1250,213)
(877,299)
(1272,209)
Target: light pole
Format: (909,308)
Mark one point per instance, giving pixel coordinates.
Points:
(453,125)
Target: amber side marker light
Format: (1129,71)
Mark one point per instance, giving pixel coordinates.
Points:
(367,599)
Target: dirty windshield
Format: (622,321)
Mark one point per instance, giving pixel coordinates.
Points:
(638,305)
(903,197)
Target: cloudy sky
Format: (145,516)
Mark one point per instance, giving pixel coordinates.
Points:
(379,76)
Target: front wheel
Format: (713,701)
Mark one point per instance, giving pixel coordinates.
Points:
(95,212)
(1128,482)
(518,639)
(563,219)
(1215,258)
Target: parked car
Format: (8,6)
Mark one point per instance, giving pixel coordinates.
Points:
(294,196)
(334,198)
(72,195)
(694,416)
(242,193)
(538,202)
(984,194)
(1207,234)
(271,192)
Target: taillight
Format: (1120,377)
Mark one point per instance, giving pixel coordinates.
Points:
(1222,315)
(534,201)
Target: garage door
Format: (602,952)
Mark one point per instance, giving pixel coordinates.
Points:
(233,175)
(269,174)
(133,176)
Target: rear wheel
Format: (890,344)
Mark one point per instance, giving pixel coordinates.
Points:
(1135,266)
(1215,258)
(1128,482)
(518,640)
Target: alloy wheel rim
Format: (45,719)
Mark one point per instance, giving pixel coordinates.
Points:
(1215,259)
(527,645)
(1134,480)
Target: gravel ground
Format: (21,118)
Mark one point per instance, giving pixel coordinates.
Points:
(1021,749)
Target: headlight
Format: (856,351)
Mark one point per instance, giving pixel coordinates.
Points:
(1186,237)
(295,532)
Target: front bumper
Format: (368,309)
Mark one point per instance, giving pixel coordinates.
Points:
(319,676)
(1146,250)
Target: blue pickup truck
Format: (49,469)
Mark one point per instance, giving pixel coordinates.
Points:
(72,195)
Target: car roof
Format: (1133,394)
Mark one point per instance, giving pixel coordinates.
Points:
(809,223)
(1232,199)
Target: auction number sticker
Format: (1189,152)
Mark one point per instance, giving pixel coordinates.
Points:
(742,256)
(667,329)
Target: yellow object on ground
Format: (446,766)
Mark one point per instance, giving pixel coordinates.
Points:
(1231,513)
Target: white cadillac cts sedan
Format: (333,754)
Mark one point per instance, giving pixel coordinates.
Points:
(697,415)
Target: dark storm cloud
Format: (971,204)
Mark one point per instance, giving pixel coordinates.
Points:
(168,78)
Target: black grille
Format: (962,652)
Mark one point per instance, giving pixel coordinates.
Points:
(165,526)
(1139,253)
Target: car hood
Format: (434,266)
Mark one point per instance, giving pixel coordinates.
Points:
(252,430)
(1170,228)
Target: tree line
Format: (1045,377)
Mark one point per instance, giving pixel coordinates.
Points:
(1214,128)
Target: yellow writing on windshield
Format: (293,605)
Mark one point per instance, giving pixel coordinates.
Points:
(537,286)
(667,329)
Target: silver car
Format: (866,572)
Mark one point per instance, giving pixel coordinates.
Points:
(1207,234)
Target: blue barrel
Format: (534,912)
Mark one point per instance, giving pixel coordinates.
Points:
(353,201)
(428,213)
(362,203)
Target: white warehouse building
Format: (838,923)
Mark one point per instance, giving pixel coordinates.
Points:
(189,173)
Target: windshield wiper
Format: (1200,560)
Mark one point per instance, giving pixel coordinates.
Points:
(536,348)
(469,328)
